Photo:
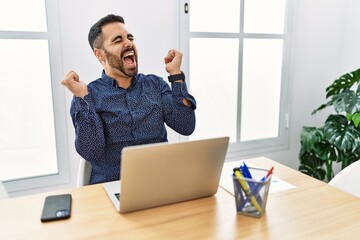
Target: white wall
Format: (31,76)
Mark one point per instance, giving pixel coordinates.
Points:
(325,38)
(351,46)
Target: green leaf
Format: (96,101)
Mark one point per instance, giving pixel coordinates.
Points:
(344,100)
(349,116)
(311,165)
(326,151)
(346,81)
(347,101)
(309,136)
(356,119)
(347,157)
(339,132)
(322,107)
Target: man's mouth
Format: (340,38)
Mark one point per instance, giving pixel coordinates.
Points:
(129,57)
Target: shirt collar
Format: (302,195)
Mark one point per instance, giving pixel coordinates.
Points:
(112,81)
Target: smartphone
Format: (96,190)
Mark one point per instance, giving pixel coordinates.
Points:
(56,207)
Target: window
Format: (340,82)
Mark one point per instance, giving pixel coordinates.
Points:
(237,62)
(31,100)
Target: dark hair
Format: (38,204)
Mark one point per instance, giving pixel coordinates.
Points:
(95,37)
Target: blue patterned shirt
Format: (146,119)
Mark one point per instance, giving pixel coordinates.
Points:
(110,118)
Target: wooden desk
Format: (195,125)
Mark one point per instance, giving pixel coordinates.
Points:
(313,210)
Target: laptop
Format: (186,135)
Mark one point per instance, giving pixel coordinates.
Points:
(158,174)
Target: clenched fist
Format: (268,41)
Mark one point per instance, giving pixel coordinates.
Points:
(73,83)
(173,62)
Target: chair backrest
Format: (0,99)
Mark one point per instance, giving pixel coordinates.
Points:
(3,192)
(348,179)
(84,172)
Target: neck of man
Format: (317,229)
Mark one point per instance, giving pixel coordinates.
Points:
(121,79)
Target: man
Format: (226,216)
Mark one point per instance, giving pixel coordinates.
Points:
(124,108)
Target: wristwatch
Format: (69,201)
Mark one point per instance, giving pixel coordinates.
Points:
(176,77)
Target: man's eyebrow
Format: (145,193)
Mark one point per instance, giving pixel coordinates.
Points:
(118,37)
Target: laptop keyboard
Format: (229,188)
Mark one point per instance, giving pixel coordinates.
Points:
(117,195)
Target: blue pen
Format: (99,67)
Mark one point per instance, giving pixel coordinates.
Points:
(246,171)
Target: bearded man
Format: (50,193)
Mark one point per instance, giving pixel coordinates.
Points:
(123,107)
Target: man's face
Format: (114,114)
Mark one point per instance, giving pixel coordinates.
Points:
(119,48)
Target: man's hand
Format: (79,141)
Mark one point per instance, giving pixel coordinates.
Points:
(173,65)
(72,82)
(173,62)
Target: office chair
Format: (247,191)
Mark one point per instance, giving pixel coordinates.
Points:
(84,172)
(3,192)
(348,179)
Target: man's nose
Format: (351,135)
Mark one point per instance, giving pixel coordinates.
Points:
(128,43)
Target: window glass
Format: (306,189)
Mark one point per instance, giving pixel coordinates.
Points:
(214,82)
(27,139)
(214,16)
(261,88)
(264,16)
(23,15)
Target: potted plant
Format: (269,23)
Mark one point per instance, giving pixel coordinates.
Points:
(339,139)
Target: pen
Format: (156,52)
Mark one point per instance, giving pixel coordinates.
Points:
(253,187)
(270,172)
(245,171)
(246,189)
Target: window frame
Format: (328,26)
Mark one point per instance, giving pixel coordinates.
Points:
(58,95)
(240,149)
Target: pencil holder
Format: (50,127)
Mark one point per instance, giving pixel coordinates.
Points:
(251,194)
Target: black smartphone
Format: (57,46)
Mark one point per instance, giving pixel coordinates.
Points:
(56,207)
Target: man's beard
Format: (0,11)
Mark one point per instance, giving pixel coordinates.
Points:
(117,63)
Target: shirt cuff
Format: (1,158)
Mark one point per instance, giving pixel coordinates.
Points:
(180,90)
(83,103)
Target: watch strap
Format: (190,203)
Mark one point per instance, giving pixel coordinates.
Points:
(180,76)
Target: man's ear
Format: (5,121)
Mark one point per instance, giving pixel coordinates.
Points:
(99,54)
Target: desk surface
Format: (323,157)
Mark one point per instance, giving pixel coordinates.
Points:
(313,210)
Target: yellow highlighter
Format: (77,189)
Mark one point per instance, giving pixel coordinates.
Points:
(246,189)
